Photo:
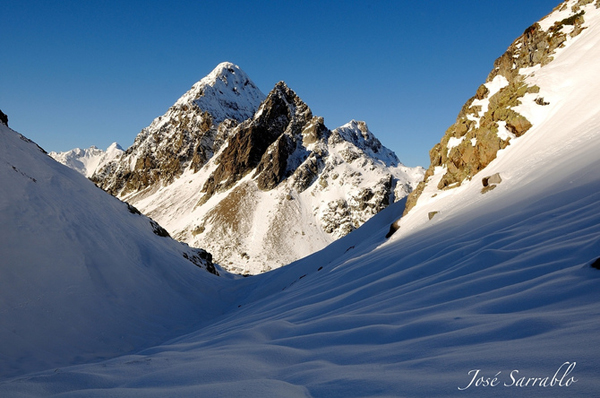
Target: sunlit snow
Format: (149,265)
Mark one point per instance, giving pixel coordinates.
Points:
(497,283)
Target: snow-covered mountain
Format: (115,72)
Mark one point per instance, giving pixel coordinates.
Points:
(496,294)
(257,181)
(87,161)
(82,274)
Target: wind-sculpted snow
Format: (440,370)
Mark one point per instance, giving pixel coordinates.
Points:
(493,296)
(494,289)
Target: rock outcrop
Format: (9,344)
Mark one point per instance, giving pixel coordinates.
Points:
(277,124)
(488,121)
(3,118)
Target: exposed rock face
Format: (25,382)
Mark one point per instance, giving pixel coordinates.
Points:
(187,136)
(488,121)
(261,189)
(279,119)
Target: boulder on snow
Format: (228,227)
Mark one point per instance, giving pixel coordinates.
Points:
(490,180)
(393,228)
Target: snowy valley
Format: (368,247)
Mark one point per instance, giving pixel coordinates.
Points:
(481,282)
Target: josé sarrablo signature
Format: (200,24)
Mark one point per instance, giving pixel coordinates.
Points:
(561,378)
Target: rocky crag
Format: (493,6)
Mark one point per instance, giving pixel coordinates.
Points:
(490,120)
(3,118)
(258,181)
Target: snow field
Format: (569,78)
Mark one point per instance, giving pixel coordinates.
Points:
(497,282)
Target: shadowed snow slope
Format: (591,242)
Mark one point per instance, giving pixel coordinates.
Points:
(497,282)
(82,276)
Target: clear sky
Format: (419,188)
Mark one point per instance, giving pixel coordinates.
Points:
(82,73)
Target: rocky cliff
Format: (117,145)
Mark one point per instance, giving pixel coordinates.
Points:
(490,120)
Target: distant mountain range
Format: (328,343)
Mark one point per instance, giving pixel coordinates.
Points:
(87,161)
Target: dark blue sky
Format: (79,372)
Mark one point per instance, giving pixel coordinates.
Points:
(81,73)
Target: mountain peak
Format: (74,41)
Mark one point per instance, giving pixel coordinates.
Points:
(281,89)
(246,189)
(225,93)
(114,146)
(357,132)
(282,101)
(225,70)
(87,161)
(281,85)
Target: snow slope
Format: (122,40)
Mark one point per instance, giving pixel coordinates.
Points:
(82,276)
(87,161)
(496,283)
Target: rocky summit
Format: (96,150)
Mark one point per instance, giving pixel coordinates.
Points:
(258,181)
(187,136)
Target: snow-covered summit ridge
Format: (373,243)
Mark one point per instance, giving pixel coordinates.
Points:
(225,93)
(188,134)
(87,161)
(359,134)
